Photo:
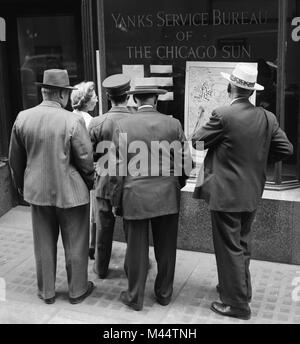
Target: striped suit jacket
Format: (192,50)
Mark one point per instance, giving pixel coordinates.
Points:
(50,156)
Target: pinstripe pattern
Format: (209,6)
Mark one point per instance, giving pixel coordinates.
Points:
(58,156)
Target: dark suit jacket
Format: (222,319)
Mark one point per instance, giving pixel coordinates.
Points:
(51,156)
(143,195)
(239,139)
(101,129)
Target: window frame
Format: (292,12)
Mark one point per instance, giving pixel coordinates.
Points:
(278,183)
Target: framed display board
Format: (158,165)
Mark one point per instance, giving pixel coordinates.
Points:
(205,90)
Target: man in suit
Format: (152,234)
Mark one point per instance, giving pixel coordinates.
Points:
(52,165)
(145,197)
(240,138)
(101,131)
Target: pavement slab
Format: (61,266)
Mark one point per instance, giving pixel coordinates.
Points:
(275,297)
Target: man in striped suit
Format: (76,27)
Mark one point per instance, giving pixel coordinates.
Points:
(52,166)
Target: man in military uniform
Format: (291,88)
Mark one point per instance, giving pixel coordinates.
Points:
(101,130)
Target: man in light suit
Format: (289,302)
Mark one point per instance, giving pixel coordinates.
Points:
(146,198)
(240,138)
(52,165)
(101,130)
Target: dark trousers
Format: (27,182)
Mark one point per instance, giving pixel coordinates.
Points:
(93,233)
(164,232)
(93,227)
(232,244)
(74,226)
(105,222)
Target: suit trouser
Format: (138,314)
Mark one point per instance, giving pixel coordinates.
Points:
(93,229)
(164,232)
(74,226)
(105,221)
(232,244)
(93,234)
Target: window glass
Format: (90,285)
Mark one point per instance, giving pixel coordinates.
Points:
(2,30)
(41,48)
(292,89)
(157,38)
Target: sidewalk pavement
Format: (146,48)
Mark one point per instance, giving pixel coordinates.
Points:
(275,297)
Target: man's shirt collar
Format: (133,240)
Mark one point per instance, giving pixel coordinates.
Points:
(145,106)
(51,103)
(237,99)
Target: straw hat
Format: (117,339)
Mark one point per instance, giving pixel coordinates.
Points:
(244,75)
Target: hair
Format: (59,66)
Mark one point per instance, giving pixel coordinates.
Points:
(118,99)
(239,91)
(83,94)
(144,96)
(50,93)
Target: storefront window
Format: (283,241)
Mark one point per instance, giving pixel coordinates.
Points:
(290,168)
(156,39)
(41,48)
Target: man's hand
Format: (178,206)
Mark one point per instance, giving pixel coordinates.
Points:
(201,112)
(115,211)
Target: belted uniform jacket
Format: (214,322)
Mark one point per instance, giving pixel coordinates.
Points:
(101,129)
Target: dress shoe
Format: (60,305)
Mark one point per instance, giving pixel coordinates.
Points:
(163,301)
(124,299)
(75,300)
(229,311)
(92,253)
(48,301)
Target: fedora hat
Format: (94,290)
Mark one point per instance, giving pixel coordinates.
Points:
(147,89)
(56,78)
(244,75)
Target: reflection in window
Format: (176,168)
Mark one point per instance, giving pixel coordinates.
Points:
(2,30)
(41,48)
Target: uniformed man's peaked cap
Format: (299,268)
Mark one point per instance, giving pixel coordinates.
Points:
(117,84)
